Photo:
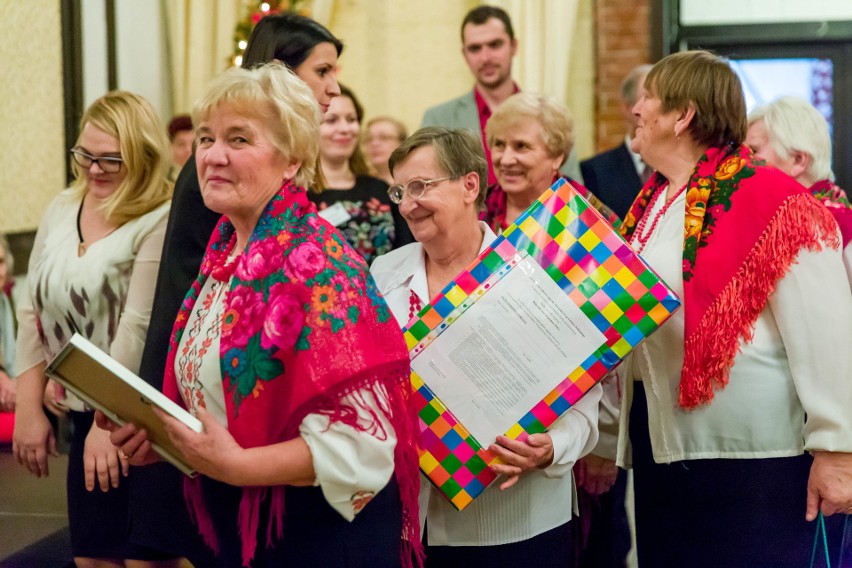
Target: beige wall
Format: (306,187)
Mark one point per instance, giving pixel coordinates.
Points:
(32,153)
(402,57)
(581,80)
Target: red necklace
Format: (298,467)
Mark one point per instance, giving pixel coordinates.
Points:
(414,305)
(222,268)
(639,235)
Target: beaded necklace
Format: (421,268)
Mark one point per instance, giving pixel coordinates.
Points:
(414,305)
(224,263)
(640,236)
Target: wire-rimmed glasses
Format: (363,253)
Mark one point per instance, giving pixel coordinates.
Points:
(108,164)
(415,189)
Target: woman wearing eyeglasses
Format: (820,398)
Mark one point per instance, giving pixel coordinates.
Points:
(92,271)
(441,176)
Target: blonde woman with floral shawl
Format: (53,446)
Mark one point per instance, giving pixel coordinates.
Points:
(288,355)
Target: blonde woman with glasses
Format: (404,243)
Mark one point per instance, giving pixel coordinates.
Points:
(92,271)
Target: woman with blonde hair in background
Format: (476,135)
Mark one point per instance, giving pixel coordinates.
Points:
(530,137)
(92,271)
(382,135)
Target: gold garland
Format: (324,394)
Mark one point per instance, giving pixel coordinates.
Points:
(255,11)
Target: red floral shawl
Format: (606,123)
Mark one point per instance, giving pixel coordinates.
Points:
(495,206)
(304,325)
(837,204)
(744,225)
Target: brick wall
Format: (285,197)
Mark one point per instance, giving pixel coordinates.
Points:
(622,41)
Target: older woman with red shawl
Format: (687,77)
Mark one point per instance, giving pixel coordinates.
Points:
(288,355)
(735,414)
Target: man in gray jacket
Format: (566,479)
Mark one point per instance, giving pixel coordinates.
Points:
(488,46)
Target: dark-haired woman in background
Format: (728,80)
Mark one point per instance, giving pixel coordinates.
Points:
(354,201)
(311,51)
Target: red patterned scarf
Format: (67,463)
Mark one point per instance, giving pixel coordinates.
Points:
(495,206)
(837,204)
(304,325)
(744,225)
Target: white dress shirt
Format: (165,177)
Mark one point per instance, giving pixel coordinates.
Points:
(542,499)
(789,388)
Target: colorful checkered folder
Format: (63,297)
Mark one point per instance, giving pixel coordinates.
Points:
(610,283)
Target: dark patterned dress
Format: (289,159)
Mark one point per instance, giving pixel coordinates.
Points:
(375,225)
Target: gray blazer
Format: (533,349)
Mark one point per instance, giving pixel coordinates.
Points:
(461,112)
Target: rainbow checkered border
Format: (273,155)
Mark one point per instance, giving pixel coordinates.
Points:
(595,267)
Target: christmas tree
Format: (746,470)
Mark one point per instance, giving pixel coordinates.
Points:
(255,11)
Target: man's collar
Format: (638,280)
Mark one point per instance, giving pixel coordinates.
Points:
(482,104)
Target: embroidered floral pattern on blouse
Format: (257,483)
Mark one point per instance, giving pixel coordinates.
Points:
(200,338)
(295,277)
(360,499)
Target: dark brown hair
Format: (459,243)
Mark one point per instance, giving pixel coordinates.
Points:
(482,14)
(706,81)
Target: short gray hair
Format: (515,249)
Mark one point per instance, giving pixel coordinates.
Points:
(458,152)
(793,124)
(556,122)
(631,81)
(274,96)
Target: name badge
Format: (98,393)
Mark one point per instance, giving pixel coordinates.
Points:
(335,214)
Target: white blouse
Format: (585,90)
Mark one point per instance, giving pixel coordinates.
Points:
(105,295)
(542,499)
(789,388)
(351,466)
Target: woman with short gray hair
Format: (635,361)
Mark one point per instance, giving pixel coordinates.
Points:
(440,177)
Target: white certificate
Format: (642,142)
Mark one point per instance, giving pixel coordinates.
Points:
(335,214)
(507,351)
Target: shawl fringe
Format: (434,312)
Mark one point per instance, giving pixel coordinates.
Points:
(198,513)
(709,352)
(248,520)
(384,370)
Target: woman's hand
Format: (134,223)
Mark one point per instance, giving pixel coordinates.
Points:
(214,452)
(7,392)
(52,400)
(102,459)
(830,484)
(595,474)
(521,457)
(132,444)
(33,439)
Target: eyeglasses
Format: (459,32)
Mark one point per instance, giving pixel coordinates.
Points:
(108,164)
(415,189)
(382,138)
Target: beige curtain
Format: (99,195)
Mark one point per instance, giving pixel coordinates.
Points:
(323,10)
(200,44)
(544,29)
(556,56)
